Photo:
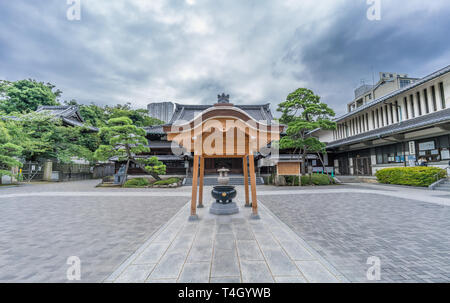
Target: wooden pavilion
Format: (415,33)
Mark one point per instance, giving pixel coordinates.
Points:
(223,131)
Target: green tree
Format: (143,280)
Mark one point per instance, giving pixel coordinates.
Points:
(303,112)
(138,116)
(26,95)
(9,153)
(44,137)
(125,142)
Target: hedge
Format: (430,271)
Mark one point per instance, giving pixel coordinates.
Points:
(412,176)
(316,179)
(167,181)
(137,182)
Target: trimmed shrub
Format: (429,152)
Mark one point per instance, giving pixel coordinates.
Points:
(137,182)
(411,176)
(316,179)
(167,181)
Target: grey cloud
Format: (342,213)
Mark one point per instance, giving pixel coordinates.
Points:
(258,51)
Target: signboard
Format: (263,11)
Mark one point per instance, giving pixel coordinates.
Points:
(426,145)
(445,154)
(412,147)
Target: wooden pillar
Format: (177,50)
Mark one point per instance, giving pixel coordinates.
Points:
(247,199)
(253,187)
(202,174)
(194,190)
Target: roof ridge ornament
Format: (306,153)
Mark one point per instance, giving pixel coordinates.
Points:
(223,100)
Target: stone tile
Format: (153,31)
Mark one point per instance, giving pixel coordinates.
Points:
(316,272)
(279,263)
(152,253)
(195,273)
(255,272)
(168,234)
(243,233)
(292,279)
(295,250)
(201,250)
(226,280)
(225,263)
(224,229)
(224,241)
(135,274)
(161,281)
(266,241)
(249,250)
(181,244)
(169,267)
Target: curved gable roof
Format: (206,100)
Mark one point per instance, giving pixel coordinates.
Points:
(189,112)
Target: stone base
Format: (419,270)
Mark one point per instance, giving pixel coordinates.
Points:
(255,217)
(193,218)
(224,209)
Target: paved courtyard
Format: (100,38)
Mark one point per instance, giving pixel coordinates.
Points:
(316,234)
(42,225)
(408,229)
(225,249)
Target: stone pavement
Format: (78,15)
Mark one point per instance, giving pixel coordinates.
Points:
(40,230)
(410,235)
(225,249)
(41,225)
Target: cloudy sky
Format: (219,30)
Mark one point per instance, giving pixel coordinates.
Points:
(188,51)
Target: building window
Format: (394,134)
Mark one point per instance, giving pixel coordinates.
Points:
(390,154)
(411,99)
(381,116)
(441,90)
(433,96)
(425,95)
(404,83)
(418,103)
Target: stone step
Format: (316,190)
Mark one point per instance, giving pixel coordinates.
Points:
(233,181)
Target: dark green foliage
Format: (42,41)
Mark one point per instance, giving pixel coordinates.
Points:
(44,137)
(315,179)
(412,176)
(26,95)
(137,182)
(303,112)
(8,152)
(153,166)
(167,181)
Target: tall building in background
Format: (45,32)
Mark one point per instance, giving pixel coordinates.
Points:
(161,110)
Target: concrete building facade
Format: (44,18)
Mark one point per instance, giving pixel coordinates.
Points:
(161,110)
(396,128)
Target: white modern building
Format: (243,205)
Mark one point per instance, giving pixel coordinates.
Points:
(393,123)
